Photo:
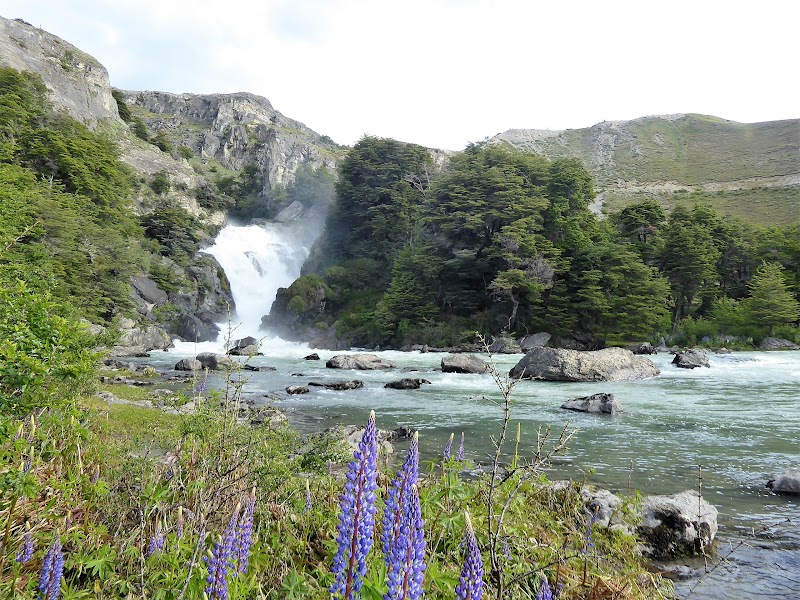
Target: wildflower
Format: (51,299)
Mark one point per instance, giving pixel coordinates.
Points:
(156,544)
(406,564)
(308,498)
(357,516)
(447,447)
(27,464)
(397,499)
(25,552)
(587,537)
(544,592)
(96,474)
(460,454)
(219,559)
(470,583)
(180,524)
(52,569)
(505,548)
(244,533)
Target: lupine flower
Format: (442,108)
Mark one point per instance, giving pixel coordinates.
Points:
(244,533)
(25,552)
(27,464)
(219,561)
(308,498)
(397,498)
(406,566)
(357,516)
(587,537)
(505,548)
(460,454)
(96,474)
(52,569)
(180,524)
(156,544)
(447,447)
(470,583)
(544,592)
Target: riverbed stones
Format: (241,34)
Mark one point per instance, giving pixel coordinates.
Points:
(691,359)
(678,525)
(297,389)
(359,362)
(609,364)
(771,343)
(407,383)
(463,363)
(353,384)
(787,483)
(596,403)
(188,364)
(214,361)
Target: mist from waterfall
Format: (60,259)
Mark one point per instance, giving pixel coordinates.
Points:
(258,259)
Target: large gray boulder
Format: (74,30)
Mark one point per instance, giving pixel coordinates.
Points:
(596,403)
(353,384)
(360,362)
(678,525)
(787,482)
(247,346)
(139,339)
(504,344)
(771,343)
(407,383)
(691,359)
(534,340)
(609,364)
(188,364)
(463,363)
(193,329)
(214,361)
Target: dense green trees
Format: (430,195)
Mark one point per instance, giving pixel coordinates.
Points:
(505,240)
(770,302)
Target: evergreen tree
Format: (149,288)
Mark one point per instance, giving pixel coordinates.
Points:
(770,302)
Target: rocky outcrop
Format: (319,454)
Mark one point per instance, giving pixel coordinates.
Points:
(529,342)
(679,525)
(691,359)
(136,339)
(644,348)
(787,482)
(504,344)
(359,362)
(214,361)
(771,343)
(245,347)
(610,364)
(463,363)
(407,384)
(596,403)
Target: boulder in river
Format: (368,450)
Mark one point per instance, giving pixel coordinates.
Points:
(677,525)
(787,482)
(297,389)
(188,364)
(645,348)
(534,340)
(596,403)
(245,347)
(463,363)
(360,362)
(313,356)
(609,364)
(504,344)
(691,359)
(214,361)
(407,383)
(338,385)
(771,343)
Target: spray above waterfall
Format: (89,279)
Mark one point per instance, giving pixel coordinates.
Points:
(258,259)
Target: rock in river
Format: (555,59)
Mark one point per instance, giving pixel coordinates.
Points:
(787,482)
(361,362)
(406,384)
(596,403)
(609,364)
(690,359)
(678,525)
(463,363)
(338,385)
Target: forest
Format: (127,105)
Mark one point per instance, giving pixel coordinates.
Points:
(499,240)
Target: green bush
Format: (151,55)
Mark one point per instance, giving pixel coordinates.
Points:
(185,152)
(160,183)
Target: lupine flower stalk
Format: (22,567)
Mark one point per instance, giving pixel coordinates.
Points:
(156,544)
(52,570)
(470,583)
(447,447)
(244,533)
(309,504)
(219,561)
(544,592)
(357,516)
(180,523)
(460,454)
(406,566)
(397,499)
(25,552)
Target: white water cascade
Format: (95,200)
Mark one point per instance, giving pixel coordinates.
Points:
(258,259)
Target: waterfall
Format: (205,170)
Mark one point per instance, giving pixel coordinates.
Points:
(258,259)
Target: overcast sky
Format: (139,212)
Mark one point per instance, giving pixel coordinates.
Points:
(444,73)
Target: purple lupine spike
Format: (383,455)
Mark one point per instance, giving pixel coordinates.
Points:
(52,569)
(180,523)
(470,583)
(587,537)
(406,566)
(447,447)
(357,516)
(25,552)
(397,498)
(156,544)
(219,561)
(244,533)
(460,453)
(309,504)
(544,592)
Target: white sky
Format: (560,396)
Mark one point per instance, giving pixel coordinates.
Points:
(443,73)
